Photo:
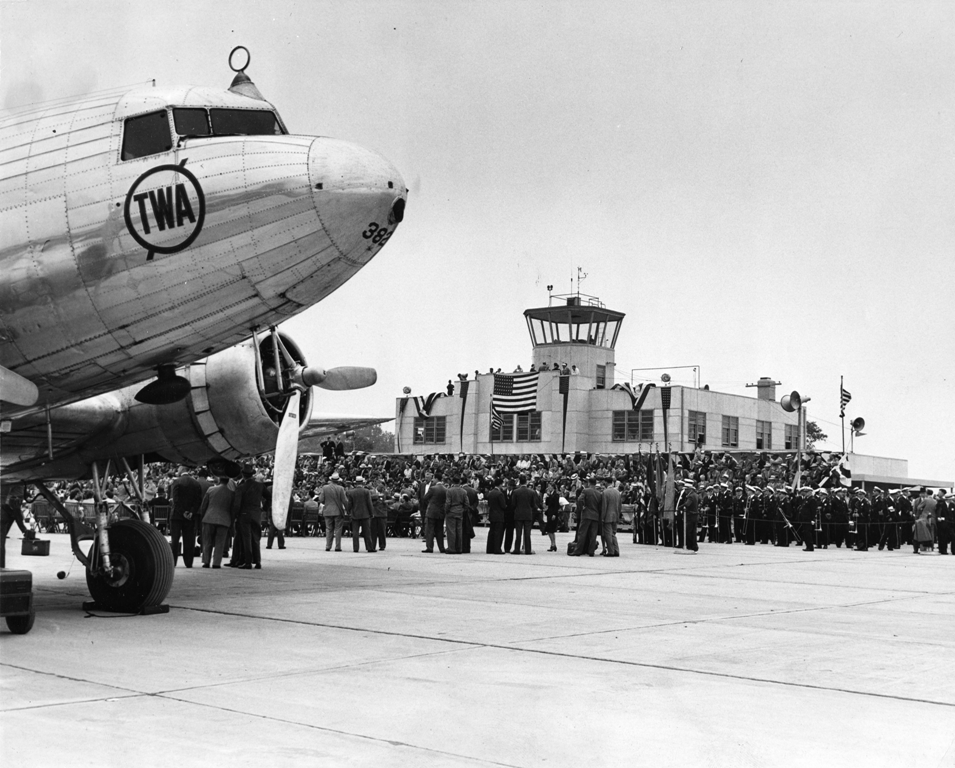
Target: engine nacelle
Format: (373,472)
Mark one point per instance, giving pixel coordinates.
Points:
(226,413)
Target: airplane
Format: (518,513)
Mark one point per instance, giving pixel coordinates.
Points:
(161,235)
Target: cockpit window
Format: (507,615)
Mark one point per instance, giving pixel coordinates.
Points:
(146,135)
(244,122)
(191,122)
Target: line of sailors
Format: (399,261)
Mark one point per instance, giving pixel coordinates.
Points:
(812,517)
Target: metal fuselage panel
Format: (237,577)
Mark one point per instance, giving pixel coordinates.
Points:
(96,292)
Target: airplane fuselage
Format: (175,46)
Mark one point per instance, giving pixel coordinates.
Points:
(138,230)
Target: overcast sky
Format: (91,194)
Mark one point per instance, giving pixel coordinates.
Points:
(764,189)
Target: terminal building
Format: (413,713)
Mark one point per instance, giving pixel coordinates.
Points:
(578,409)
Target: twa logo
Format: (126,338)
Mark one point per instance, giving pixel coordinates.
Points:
(165,209)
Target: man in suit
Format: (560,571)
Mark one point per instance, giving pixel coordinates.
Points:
(526,503)
(334,507)
(433,506)
(455,508)
(186,499)
(360,507)
(247,512)
(610,509)
(588,519)
(496,512)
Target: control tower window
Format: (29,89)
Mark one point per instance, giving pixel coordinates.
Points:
(146,135)
(244,122)
(191,122)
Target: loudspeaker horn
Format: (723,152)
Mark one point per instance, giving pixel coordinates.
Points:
(858,424)
(791,402)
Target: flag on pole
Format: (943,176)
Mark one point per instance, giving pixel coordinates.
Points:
(844,398)
(497,422)
(515,392)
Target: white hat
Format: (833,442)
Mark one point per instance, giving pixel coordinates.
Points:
(359,479)
(335,476)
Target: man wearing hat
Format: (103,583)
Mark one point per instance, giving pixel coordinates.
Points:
(861,511)
(839,517)
(724,507)
(186,498)
(781,515)
(944,528)
(12,512)
(588,522)
(433,506)
(360,508)
(334,506)
(806,517)
(247,513)
(880,513)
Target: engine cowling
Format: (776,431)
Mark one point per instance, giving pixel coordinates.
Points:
(228,413)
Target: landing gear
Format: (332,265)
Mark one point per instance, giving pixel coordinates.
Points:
(140,573)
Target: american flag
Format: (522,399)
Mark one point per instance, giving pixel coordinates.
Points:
(497,422)
(844,398)
(514,392)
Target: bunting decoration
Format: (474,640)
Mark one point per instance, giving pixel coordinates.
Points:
(424,404)
(464,404)
(636,398)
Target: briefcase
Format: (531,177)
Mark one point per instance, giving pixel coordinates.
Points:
(37,547)
(571,547)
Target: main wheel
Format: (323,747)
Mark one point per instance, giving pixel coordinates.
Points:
(142,568)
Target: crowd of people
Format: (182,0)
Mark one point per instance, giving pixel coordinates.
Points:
(676,500)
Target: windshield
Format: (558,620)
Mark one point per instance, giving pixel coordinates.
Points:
(244,122)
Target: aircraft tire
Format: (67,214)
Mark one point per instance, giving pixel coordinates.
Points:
(145,566)
(20,625)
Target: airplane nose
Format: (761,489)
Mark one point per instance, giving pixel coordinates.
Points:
(358,194)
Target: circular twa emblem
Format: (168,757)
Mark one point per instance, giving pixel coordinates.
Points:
(165,209)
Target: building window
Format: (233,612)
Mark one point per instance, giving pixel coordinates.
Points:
(601,377)
(696,427)
(526,426)
(429,430)
(730,432)
(504,433)
(632,426)
(529,427)
(764,435)
(792,436)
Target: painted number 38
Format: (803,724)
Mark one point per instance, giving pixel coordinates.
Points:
(377,235)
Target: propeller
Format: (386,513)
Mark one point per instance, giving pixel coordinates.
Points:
(286,446)
(286,455)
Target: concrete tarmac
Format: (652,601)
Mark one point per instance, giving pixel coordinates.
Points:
(736,656)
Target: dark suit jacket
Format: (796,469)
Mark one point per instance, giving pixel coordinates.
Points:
(496,506)
(588,504)
(525,502)
(186,496)
(434,501)
(248,499)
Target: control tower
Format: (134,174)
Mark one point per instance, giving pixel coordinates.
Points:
(576,330)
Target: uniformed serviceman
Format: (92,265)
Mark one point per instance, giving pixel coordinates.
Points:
(691,515)
(861,511)
(724,507)
(739,512)
(806,517)
(839,512)
(944,527)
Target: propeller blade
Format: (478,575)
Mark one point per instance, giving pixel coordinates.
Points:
(339,379)
(286,454)
(17,390)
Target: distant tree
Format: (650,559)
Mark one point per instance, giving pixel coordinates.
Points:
(373,439)
(814,434)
